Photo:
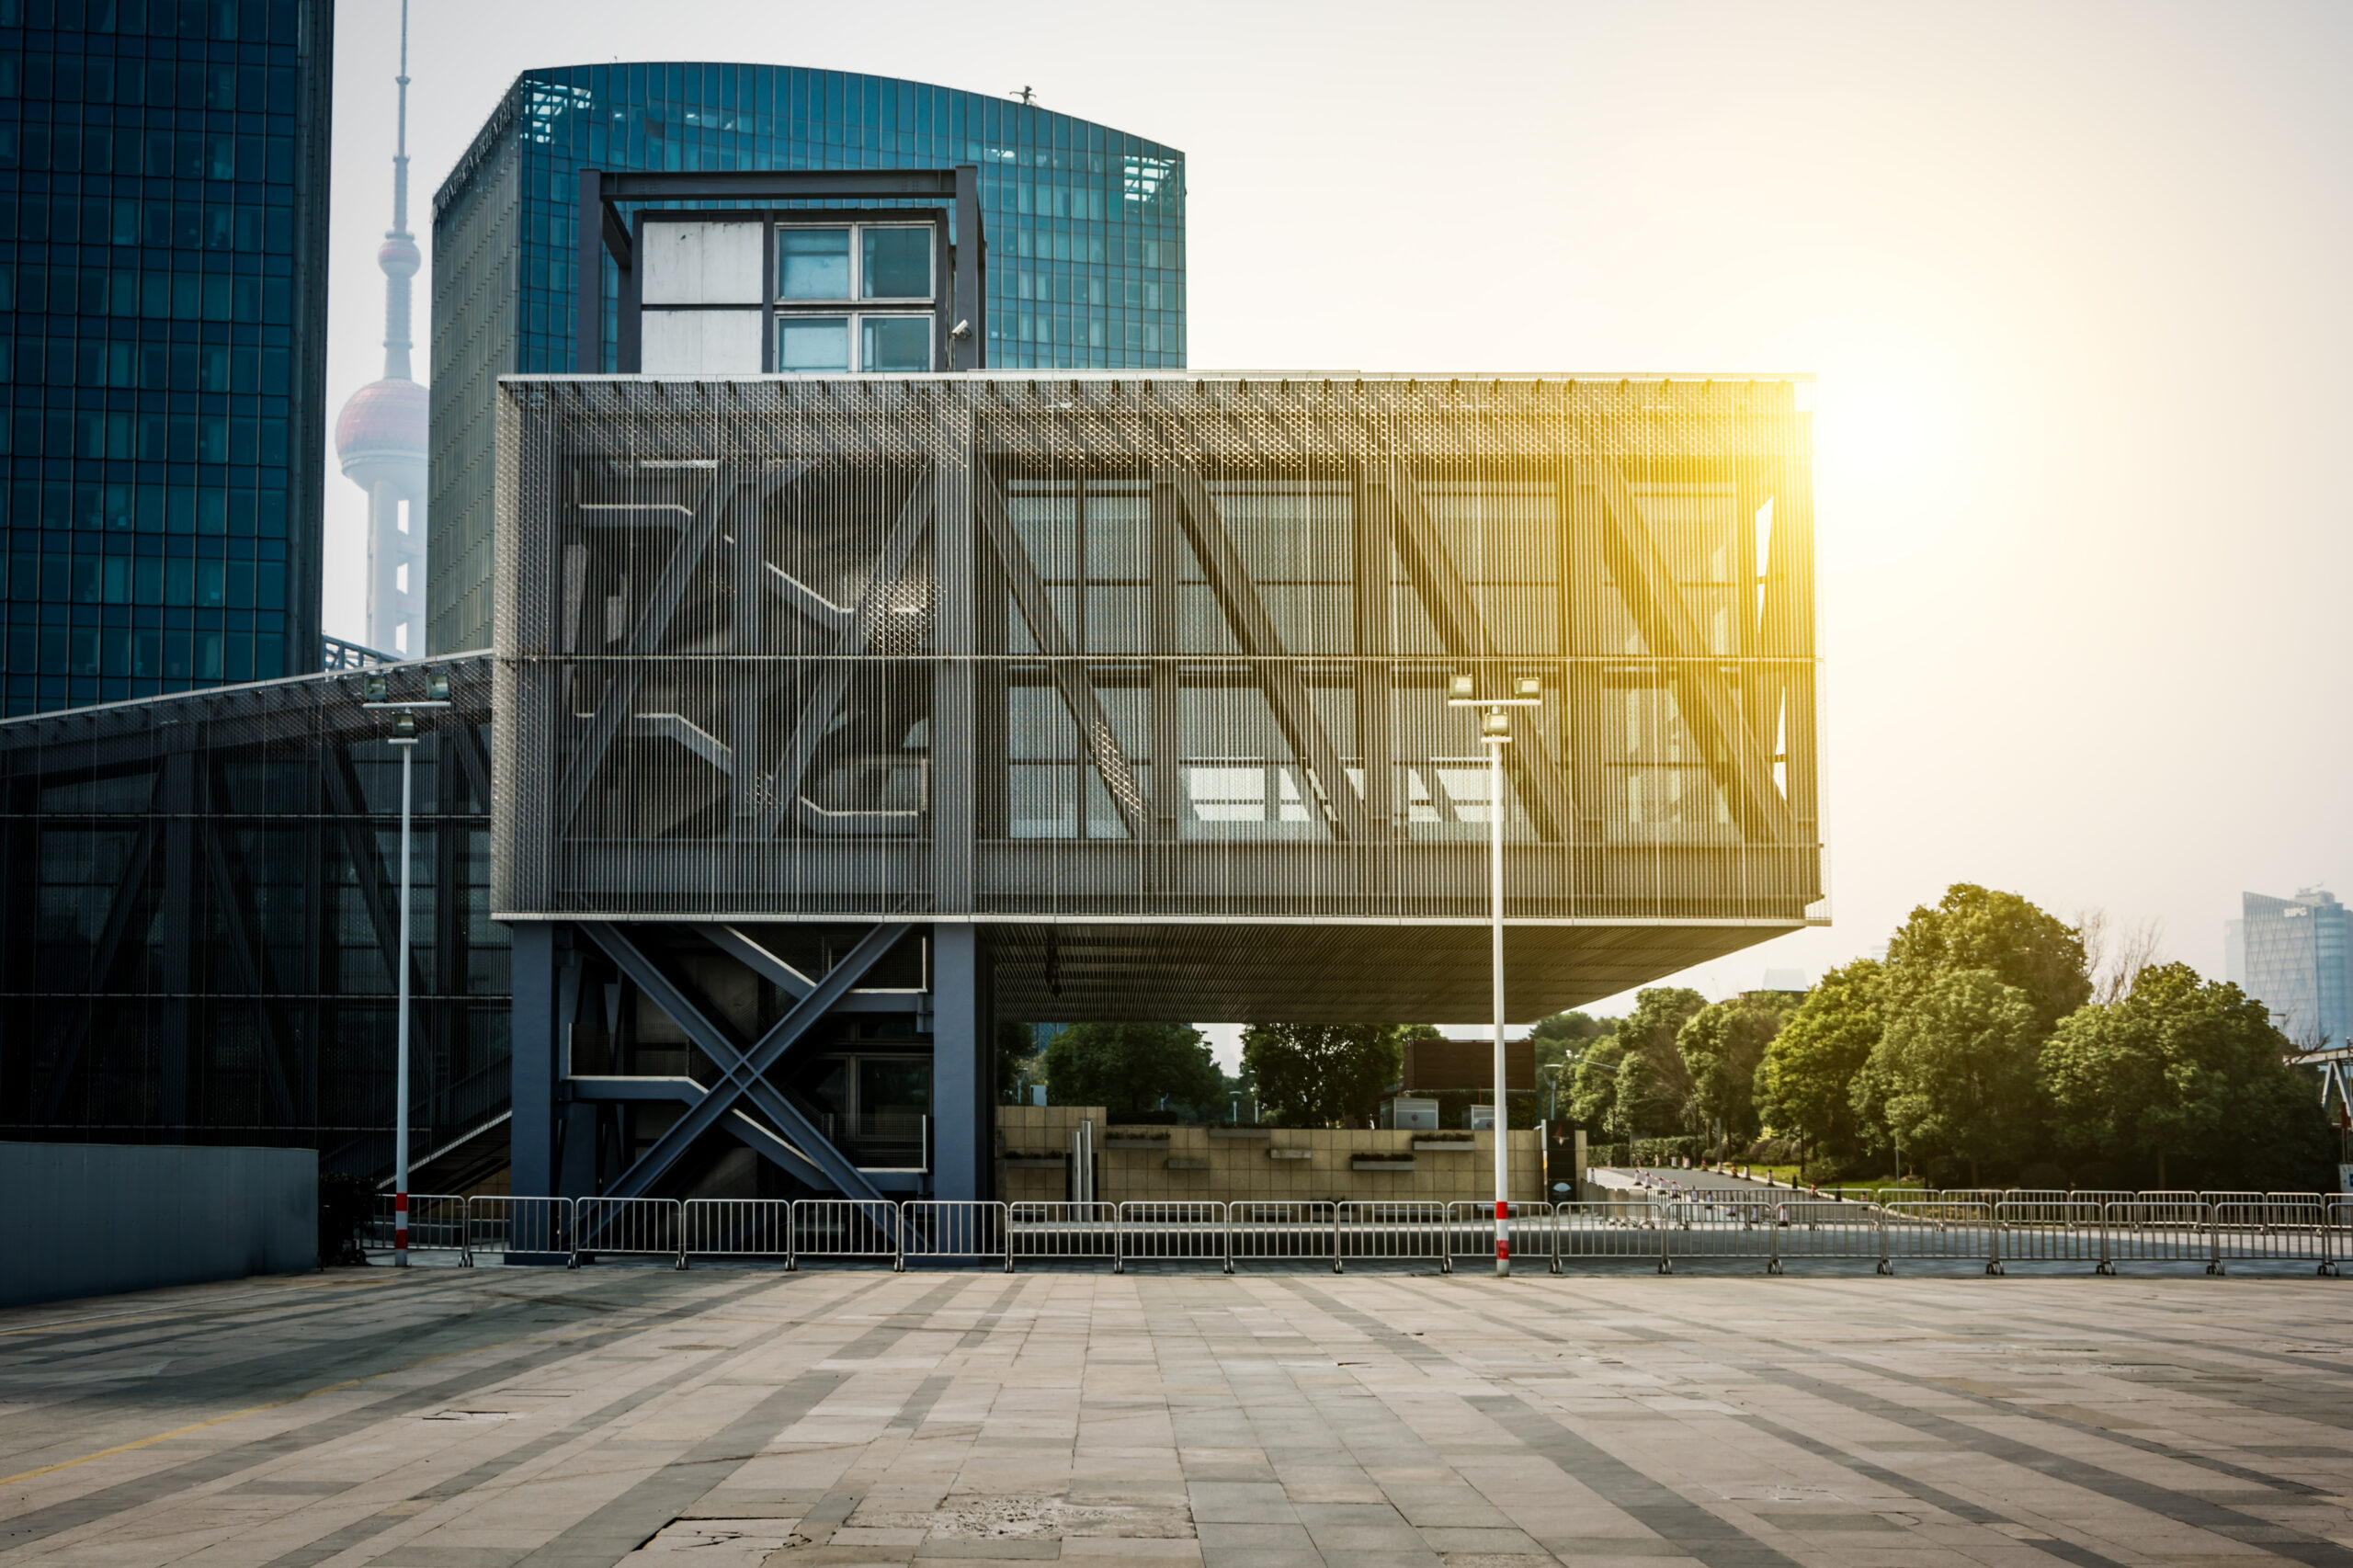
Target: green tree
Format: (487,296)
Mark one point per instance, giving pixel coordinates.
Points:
(1722,1046)
(1974,928)
(2185,1070)
(1320,1074)
(1656,1094)
(1806,1084)
(1955,1072)
(1017,1059)
(1131,1069)
(1591,1089)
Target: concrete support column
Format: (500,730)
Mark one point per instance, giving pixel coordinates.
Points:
(531,1131)
(963,1143)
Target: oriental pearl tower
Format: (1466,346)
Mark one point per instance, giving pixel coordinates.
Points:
(381,434)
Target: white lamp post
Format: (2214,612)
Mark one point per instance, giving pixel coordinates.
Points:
(379,695)
(1494,733)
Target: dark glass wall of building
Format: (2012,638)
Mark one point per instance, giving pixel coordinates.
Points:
(163,314)
(1084,229)
(198,915)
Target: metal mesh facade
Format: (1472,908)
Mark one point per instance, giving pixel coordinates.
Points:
(1151,674)
(199,920)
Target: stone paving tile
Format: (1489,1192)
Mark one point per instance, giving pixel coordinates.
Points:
(495,1417)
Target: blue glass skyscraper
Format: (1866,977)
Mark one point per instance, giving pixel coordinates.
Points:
(163,312)
(1084,228)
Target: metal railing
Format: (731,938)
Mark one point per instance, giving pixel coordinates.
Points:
(1064,1231)
(1171,1231)
(953,1228)
(1391,1231)
(1654,1229)
(629,1227)
(1280,1230)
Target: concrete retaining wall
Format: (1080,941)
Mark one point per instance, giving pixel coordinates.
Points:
(96,1219)
(1141,1163)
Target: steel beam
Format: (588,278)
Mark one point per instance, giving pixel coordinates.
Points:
(1719,732)
(1245,612)
(747,1071)
(127,894)
(1439,583)
(833,679)
(1070,678)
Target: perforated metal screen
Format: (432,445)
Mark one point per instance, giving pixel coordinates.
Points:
(1171,649)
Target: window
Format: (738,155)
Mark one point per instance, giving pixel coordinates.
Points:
(820,268)
(812,345)
(896,264)
(895,344)
(813,264)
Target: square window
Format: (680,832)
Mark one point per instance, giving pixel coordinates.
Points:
(896,344)
(813,264)
(898,263)
(812,345)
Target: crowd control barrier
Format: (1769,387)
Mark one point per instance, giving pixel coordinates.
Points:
(1651,1229)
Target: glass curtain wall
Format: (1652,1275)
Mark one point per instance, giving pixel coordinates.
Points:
(162,205)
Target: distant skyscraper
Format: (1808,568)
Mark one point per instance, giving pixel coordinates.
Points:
(381,434)
(162,330)
(2295,956)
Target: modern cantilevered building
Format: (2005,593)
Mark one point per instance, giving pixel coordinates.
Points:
(834,718)
(838,716)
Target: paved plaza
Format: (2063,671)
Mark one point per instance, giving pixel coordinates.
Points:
(448,1419)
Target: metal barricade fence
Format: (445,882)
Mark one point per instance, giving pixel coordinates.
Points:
(534,1228)
(1824,1229)
(2336,1217)
(1940,1231)
(1282,1229)
(739,1227)
(1725,1226)
(437,1222)
(1063,1231)
(2167,1232)
(2025,1203)
(844,1228)
(629,1227)
(950,1228)
(1471,1230)
(2281,1228)
(1169,1230)
(1617,1230)
(1392,1231)
(2042,1229)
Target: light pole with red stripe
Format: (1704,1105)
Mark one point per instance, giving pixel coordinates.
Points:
(1494,733)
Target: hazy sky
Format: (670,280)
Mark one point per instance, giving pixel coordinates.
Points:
(2073,277)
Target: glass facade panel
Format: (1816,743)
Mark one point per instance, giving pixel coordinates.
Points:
(198,915)
(163,312)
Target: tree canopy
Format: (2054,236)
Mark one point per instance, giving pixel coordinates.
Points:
(1131,1069)
(1804,1088)
(2019,944)
(2184,1071)
(1722,1047)
(1656,1094)
(1320,1074)
(1955,1073)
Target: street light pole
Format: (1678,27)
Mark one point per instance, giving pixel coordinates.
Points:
(404,737)
(1494,733)
(377,694)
